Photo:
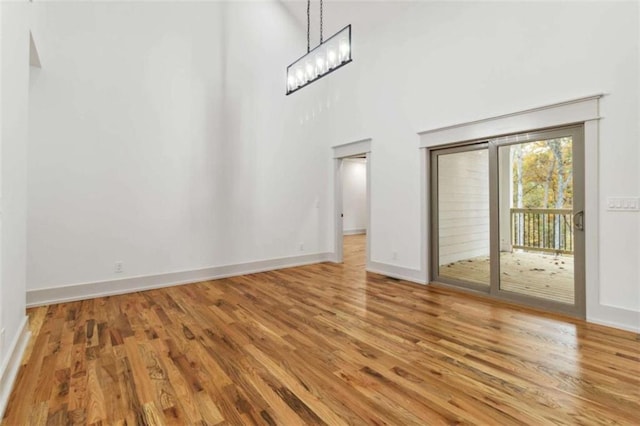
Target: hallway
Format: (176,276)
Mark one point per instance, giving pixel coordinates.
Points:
(355,251)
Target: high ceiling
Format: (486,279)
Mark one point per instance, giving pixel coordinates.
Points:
(360,14)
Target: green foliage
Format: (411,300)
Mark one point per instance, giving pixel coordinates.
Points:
(546,174)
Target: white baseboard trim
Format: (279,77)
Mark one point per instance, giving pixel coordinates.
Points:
(399,272)
(11,363)
(602,314)
(354,231)
(612,316)
(91,290)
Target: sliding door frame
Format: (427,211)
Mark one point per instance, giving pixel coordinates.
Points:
(576,131)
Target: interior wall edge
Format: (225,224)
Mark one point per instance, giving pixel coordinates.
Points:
(399,272)
(611,316)
(12,362)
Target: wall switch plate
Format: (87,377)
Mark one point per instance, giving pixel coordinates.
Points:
(118,267)
(623,204)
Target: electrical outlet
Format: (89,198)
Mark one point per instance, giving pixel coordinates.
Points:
(394,255)
(301,246)
(118,268)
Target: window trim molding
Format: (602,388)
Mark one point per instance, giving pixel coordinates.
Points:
(577,110)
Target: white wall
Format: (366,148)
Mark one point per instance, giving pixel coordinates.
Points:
(1,233)
(426,65)
(463,208)
(14,81)
(124,129)
(167,143)
(278,185)
(354,195)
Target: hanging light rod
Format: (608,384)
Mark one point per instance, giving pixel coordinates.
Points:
(324,59)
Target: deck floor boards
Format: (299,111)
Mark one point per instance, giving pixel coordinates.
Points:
(542,275)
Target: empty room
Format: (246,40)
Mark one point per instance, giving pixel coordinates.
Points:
(284,212)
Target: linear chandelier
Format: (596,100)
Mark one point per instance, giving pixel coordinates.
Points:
(324,59)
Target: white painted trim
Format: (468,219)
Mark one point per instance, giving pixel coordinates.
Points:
(394,271)
(368,230)
(352,148)
(557,114)
(582,110)
(358,231)
(338,219)
(425,217)
(597,312)
(12,362)
(91,290)
(612,316)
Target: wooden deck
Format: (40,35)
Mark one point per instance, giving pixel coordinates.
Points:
(319,344)
(545,276)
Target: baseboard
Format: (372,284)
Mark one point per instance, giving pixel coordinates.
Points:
(399,272)
(91,290)
(354,231)
(11,364)
(612,316)
(604,315)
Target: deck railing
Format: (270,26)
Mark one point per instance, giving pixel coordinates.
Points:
(546,230)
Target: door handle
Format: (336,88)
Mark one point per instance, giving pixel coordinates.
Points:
(578,220)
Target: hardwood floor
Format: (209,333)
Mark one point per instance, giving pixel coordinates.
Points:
(320,344)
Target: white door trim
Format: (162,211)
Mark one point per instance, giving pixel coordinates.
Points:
(340,152)
(350,149)
(554,115)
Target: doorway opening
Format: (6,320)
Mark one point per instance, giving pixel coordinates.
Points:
(507,218)
(352,203)
(354,210)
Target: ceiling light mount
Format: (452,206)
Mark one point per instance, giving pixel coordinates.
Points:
(324,59)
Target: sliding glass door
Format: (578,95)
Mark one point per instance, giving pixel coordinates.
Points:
(462,211)
(508,220)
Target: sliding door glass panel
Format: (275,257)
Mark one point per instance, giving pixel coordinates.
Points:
(536,211)
(463,217)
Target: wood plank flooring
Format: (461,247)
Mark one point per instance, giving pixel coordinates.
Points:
(320,344)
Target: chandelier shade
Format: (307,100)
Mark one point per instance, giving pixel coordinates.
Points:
(331,54)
